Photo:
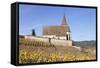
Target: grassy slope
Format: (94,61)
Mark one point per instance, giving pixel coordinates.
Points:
(32,51)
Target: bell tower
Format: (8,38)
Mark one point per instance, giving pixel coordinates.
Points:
(65,24)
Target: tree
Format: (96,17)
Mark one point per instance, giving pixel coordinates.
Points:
(33,32)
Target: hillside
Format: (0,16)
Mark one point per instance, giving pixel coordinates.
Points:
(34,51)
(91,43)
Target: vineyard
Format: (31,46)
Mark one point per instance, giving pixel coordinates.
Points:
(34,51)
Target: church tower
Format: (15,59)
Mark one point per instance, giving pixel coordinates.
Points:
(65,24)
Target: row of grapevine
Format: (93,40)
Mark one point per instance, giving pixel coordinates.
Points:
(42,57)
(34,43)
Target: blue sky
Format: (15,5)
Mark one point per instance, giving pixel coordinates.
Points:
(82,21)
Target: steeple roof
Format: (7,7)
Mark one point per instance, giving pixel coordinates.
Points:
(64,23)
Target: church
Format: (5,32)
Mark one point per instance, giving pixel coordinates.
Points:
(61,31)
(59,35)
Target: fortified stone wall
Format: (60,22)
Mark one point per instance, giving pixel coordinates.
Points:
(61,42)
(57,42)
